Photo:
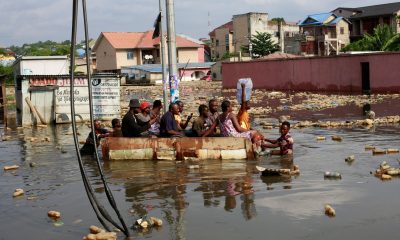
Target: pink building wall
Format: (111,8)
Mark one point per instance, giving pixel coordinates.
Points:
(328,74)
(200,52)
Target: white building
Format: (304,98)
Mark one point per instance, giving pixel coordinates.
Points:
(41,65)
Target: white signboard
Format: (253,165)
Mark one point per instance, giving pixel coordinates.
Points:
(106,99)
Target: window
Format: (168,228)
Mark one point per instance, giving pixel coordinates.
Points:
(226,39)
(227,48)
(129,55)
(217,43)
(342,30)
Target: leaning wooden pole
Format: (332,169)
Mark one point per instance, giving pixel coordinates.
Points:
(35,111)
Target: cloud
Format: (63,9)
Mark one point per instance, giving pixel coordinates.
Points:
(25,21)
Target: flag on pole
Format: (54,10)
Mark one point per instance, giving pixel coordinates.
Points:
(157,25)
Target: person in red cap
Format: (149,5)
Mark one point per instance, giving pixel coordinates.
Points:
(144,115)
(130,123)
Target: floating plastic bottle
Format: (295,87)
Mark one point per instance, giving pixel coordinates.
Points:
(248,88)
(333,175)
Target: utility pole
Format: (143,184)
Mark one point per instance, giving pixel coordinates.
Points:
(163,61)
(173,72)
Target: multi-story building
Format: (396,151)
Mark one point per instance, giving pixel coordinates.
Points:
(222,40)
(324,34)
(365,19)
(232,36)
(117,49)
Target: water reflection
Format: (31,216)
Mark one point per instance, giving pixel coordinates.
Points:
(168,186)
(209,200)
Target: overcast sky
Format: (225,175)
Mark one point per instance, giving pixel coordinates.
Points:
(27,21)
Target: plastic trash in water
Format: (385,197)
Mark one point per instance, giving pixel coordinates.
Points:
(248,88)
(332,175)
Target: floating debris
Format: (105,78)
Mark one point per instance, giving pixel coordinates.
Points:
(385,171)
(12,167)
(97,233)
(47,139)
(54,214)
(142,223)
(58,223)
(333,175)
(145,223)
(321,138)
(329,211)
(155,222)
(18,192)
(337,138)
(296,170)
(350,159)
(32,164)
(392,150)
(369,147)
(278,172)
(95,229)
(386,177)
(378,151)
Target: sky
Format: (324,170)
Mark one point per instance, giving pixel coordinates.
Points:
(28,21)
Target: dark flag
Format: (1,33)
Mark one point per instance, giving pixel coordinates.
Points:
(157,25)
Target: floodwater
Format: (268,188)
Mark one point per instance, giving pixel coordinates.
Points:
(219,200)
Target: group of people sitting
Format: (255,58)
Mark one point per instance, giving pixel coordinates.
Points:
(145,120)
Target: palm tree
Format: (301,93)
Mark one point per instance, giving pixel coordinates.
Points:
(384,38)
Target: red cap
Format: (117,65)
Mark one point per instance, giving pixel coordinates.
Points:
(144,105)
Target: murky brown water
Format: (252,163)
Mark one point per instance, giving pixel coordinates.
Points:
(220,200)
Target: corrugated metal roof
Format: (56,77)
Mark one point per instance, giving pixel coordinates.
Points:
(377,10)
(321,17)
(335,21)
(42,57)
(320,20)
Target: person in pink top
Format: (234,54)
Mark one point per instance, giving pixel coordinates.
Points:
(230,127)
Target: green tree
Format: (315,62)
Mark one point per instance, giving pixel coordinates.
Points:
(46,48)
(384,38)
(261,45)
(7,70)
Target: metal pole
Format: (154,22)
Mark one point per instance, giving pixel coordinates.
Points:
(163,61)
(173,72)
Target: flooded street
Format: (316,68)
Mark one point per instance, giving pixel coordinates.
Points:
(214,199)
(219,200)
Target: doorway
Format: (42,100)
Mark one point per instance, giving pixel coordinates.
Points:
(365,76)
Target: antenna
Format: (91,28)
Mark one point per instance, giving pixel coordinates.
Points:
(209,21)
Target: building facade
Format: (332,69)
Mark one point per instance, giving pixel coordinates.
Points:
(324,34)
(116,49)
(228,39)
(222,41)
(365,19)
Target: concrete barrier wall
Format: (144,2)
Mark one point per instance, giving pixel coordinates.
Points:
(326,74)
